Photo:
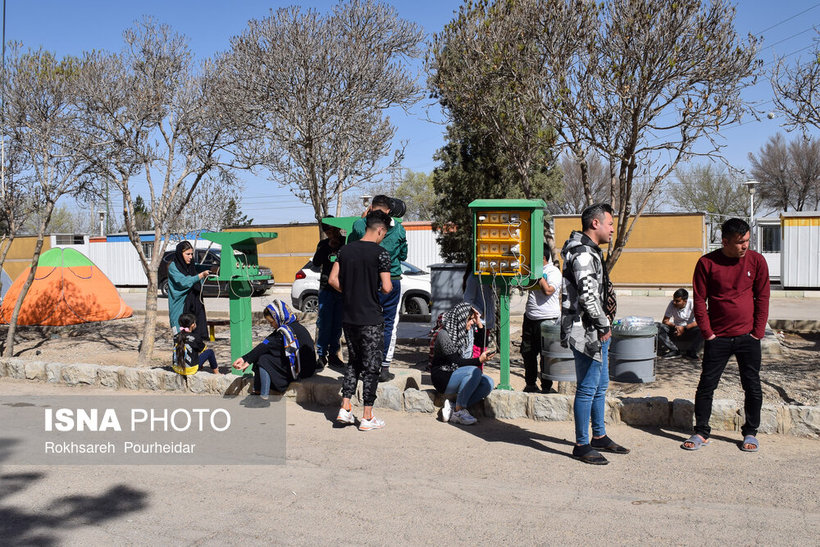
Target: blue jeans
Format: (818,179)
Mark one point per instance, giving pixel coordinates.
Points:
(590,393)
(264,381)
(329,323)
(470,385)
(390,311)
(208,355)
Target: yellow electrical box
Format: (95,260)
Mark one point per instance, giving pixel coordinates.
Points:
(509,239)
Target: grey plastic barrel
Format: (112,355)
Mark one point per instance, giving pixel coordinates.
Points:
(632,354)
(559,363)
(445,287)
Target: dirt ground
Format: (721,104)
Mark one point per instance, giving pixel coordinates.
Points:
(792,378)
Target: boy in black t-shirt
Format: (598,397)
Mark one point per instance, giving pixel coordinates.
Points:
(362,268)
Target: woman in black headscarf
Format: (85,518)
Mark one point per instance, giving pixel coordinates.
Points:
(185,289)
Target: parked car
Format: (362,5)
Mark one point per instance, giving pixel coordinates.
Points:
(415,289)
(212,287)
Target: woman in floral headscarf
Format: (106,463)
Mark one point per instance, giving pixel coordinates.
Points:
(453,369)
(284,356)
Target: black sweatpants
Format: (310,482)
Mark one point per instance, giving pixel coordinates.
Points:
(531,350)
(364,360)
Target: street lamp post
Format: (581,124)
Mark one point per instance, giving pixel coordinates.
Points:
(750,185)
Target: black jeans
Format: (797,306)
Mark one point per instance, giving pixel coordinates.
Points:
(716,353)
(531,350)
(690,341)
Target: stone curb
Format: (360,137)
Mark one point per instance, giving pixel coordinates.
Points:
(404,394)
(795,325)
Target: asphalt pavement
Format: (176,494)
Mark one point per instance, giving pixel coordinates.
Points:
(780,307)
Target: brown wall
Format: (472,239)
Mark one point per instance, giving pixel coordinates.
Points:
(661,251)
(289,251)
(19,256)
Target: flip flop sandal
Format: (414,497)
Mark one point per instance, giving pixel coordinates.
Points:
(605,444)
(750,439)
(590,455)
(696,441)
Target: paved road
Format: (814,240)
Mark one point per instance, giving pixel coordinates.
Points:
(652,306)
(420,481)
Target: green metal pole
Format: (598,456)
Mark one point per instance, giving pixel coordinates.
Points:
(241,319)
(504,336)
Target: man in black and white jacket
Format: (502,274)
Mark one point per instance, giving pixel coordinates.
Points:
(585,327)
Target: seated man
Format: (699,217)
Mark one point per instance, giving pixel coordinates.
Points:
(679,330)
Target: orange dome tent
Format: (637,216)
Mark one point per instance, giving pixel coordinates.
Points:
(67,289)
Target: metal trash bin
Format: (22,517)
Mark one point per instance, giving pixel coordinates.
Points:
(632,354)
(445,287)
(559,362)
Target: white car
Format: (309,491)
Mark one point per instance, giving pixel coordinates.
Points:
(415,289)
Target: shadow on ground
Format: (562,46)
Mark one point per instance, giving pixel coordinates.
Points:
(51,520)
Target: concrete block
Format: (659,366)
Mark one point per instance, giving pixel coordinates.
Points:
(80,374)
(214,384)
(129,378)
(296,391)
(553,407)
(326,391)
(54,372)
(36,370)
(683,414)
(242,386)
(652,411)
(226,383)
(612,411)
(406,378)
(768,419)
(149,379)
(17,369)
(109,376)
(770,346)
(725,415)
(172,381)
(805,421)
(506,404)
(197,383)
(388,396)
(419,401)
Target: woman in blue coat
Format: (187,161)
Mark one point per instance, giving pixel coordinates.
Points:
(185,289)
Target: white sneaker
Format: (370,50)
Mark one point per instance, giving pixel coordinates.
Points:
(446,410)
(462,417)
(346,416)
(372,423)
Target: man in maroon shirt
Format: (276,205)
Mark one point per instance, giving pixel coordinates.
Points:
(731,287)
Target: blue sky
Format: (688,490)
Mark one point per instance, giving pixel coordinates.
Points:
(71,27)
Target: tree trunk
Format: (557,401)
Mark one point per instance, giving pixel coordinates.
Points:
(149,331)
(38,247)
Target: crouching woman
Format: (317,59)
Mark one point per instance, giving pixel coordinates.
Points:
(286,355)
(453,369)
